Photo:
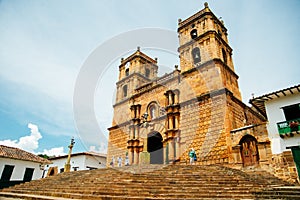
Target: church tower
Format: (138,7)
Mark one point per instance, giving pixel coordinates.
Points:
(134,71)
(204,47)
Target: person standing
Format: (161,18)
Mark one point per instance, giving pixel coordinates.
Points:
(126,159)
(192,155)
(120,161)
(112,163)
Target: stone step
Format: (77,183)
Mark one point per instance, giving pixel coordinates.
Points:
(154,182)
(151,194)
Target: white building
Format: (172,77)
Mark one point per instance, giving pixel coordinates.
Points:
(282,109)
(79,161)
(17,166)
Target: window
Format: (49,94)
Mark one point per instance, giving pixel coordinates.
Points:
(127,72)
(194,34)
(7,172)
(147,72)
(28,174)
(224,56)
(292,112)
(125,91)
(196,55)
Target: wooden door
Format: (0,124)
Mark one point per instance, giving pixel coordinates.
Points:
(249,151)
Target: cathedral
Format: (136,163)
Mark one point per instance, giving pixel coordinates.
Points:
(158,119)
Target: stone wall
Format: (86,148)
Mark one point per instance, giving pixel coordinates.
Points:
(202,127)
(117,145)
(283,166)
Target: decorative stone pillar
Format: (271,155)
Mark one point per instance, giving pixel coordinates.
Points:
(176,122)
(171,150)
(135,156)
(165,153)
(130,156)
(177,150)
(171,126)
(170,99)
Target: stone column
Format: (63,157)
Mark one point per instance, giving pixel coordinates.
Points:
(176,122)
(170,98)
(167,99)
(165,153)
(136,156)
(137,132)
(176,98)
(171,150)
(177,152)
(130,156)
(171,126)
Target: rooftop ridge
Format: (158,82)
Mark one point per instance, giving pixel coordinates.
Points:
(19,154)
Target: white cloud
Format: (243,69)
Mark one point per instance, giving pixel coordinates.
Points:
(28,143)
(56,151)
(100,149)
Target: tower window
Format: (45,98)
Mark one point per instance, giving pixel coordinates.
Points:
(147,72)
(125,91)
(196,55)
(127,71)
(224,56)
(194,34)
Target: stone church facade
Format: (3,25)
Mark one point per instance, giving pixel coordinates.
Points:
(158,120)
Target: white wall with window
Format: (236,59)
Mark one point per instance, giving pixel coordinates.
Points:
(19,170)
(17,166)
(275,110)
(79,161)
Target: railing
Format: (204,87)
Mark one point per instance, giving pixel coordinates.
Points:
(287,127)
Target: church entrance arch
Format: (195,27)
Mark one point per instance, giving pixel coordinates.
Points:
(155,148)
(249,151)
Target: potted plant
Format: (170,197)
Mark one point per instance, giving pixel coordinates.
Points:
(294,125)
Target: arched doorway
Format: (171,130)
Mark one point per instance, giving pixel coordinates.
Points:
(249,151)
(155,148)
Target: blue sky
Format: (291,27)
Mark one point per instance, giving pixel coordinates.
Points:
(44,45)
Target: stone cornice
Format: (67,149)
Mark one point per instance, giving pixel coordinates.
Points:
(210,32)
(132,75)
(201,14)
(209,64)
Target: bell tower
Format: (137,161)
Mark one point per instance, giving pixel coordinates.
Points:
(203,43)
(135,71)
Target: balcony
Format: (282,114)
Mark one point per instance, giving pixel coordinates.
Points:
(289,128)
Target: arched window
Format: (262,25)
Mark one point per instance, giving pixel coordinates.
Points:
(224,56)
(127,71)
(147,72)
(125,91)
(196,55)
(194,33)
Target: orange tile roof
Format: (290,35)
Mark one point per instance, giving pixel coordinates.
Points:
(19,154)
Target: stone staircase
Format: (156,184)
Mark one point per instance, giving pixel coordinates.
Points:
(156,182)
